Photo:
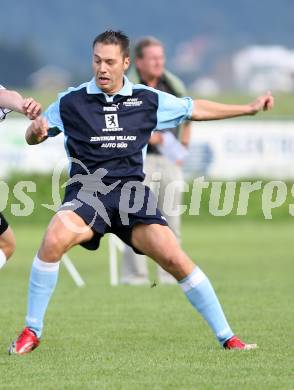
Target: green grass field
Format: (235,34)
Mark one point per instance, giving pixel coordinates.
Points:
(125,337)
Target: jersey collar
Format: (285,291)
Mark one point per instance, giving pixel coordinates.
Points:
(127,89)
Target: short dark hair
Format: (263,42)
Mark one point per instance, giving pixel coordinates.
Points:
(144,42)
(110,37)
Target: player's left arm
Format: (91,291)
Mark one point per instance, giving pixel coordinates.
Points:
(13,101)
(173,111)
(186,133)
(205,110)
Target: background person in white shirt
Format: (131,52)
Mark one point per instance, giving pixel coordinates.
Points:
(150,70)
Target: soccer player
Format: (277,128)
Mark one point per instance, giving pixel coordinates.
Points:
(107,123)
(13,101)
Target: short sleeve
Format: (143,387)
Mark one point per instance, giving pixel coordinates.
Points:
(172,111)
(52,114)
(3,111)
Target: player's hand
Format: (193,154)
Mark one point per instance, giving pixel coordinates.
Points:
(156,138)
(39,127)
(31,108)
(262,103)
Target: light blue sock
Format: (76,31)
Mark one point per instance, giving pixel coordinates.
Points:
(200,293)
(43,280)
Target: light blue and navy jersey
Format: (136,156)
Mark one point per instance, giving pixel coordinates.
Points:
(112,132)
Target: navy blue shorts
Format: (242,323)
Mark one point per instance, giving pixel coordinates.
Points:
(115,212)
(3,224)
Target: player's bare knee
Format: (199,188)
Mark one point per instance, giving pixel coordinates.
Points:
(178,264)
(52,248)
(172,262)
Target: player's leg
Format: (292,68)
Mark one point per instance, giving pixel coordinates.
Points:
(134,267)
(65,230)
(169,199)
(160,243)
(60,236)
(7,241)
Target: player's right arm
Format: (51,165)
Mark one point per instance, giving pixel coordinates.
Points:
(48,125)
(37,132)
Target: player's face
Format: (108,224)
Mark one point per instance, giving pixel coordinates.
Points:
(152,63)
(109,66)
